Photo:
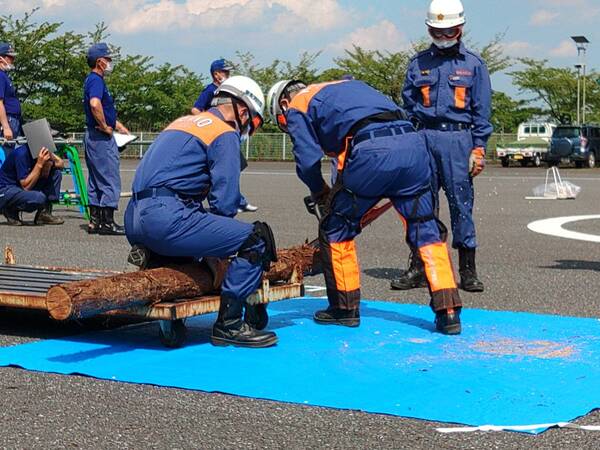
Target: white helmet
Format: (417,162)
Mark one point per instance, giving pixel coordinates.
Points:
(445,14)
(248,91)
(274,97)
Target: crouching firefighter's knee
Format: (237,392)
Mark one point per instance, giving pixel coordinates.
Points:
(262,233)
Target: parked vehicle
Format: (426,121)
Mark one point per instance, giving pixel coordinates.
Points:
(531,145)
(572,143)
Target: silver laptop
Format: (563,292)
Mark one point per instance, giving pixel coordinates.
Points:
(38,135)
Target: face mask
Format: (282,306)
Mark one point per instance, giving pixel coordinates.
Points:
(108,68)
(444,44)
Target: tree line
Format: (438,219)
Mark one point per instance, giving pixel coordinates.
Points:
(51,68)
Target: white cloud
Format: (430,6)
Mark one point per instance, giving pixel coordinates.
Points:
(565,49)
(543,17)
(382,36)
(278,15)
(519,48)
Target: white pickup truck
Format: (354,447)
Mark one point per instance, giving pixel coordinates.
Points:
(530,147)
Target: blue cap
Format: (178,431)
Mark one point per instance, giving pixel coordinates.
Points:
(6,49)
(100,50)
(220,64)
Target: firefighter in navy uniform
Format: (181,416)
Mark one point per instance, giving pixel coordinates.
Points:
(380,155)
(10,107)
(196,158)
(448,95)
(101,151)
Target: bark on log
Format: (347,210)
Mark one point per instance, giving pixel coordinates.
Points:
(88,298)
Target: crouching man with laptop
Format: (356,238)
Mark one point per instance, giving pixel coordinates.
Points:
(29,184)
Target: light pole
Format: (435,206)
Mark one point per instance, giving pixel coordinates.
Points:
(578,67)
(581,42)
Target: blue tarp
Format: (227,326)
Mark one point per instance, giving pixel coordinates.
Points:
(505,369)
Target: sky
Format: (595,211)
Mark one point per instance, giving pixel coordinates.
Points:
(195,32)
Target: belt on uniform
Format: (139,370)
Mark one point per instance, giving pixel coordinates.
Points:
(154,192)
(448,126)
(166,192)
(384,132)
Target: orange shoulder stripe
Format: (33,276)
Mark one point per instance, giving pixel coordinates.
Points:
(205,126)
(302,100)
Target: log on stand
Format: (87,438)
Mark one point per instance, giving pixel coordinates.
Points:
(88,298)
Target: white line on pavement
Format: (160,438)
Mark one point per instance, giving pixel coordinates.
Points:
(554,227)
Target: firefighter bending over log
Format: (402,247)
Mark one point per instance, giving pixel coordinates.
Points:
(197,158)
(379,156)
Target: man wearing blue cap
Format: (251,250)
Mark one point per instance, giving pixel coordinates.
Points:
(10,107)
(220,71)
(101,151)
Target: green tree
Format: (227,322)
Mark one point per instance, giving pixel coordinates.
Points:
(555,89)
(49,69)
(507,113)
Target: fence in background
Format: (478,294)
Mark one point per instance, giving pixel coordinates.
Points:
(264,146)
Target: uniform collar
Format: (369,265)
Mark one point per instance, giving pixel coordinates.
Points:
(461,49)
(215,112)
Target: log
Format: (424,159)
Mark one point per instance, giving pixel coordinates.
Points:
(88,298)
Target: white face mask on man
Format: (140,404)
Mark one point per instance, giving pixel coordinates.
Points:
(443,43)
(108,67)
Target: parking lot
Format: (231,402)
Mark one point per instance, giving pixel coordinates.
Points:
(522,271)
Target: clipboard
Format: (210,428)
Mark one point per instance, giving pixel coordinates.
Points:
(123,139)
(39,135)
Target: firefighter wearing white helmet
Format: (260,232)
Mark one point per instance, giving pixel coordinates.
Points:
(197,158)
(250,93)
(448,94)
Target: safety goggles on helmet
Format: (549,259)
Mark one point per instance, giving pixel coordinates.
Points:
(445,33)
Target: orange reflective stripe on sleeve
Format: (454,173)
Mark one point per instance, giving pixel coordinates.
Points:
(204,126)
(426,92)
(437,266)
(302,100)
(460,96)
(345,266)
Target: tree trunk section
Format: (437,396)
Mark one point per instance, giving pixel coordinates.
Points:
(88,298)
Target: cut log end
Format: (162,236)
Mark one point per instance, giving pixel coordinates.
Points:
(59,303)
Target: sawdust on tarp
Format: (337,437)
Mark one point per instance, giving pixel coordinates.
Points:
(515,347)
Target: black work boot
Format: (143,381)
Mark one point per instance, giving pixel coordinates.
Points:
(94,224)
(256,316)
(44,216)
(108,227)
(336,316)
(230,329)
(13,217)
(448,321)
(467,270)
(413,277)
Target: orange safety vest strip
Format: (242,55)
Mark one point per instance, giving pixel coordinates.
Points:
(302,100)
(205,126)
(345,266)
(437,266)
(460,96)
(426,91)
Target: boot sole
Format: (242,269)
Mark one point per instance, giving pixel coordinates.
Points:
(345,323)
(451,329)
(472,289)
(104,233)
(221,342)
(407,287)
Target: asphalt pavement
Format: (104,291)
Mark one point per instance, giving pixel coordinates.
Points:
(522,271)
